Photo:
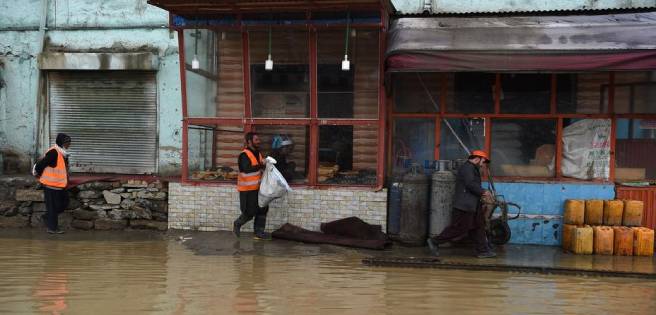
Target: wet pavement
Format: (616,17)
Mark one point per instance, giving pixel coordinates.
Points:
(137,272)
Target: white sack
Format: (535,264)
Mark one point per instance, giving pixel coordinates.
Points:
(586,149)
(273,185)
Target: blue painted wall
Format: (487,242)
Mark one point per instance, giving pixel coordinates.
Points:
(82,26)
(542,207)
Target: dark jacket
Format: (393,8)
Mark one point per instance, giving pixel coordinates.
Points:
(282,165)
(468,188)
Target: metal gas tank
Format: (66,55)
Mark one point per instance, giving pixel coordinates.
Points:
(414,208)
(443,187)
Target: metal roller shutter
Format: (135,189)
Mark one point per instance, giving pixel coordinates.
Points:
(111,117)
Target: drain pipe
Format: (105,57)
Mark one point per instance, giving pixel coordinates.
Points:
(428,7)
(40,103)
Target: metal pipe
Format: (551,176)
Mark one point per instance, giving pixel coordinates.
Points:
(40,84)
(430,97)
(83,28)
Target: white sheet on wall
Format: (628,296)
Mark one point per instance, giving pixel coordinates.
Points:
(586,149)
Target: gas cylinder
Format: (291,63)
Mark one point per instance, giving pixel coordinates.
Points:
(394,205)
(414,208)
(441,201)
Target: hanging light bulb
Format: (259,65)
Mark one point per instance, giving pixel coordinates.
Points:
(346,64)
(223,35)
(354,33)
(268,64)
(195,63)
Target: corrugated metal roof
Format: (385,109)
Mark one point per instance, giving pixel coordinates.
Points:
(439,7)
(605,32)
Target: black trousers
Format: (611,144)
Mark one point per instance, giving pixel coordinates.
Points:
(250,209)
(465,223)
(56,201)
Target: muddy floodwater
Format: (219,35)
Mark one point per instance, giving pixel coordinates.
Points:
(133,273)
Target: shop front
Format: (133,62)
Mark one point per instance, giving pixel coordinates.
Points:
(565,109)
(308,74)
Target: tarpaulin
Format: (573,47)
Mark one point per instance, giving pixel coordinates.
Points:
(538,43)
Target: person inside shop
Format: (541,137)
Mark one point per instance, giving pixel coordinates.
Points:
(52,172)
(251,165)
(468,217)
(281,149)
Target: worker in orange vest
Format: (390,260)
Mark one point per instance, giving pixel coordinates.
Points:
(251,164)
(52,172)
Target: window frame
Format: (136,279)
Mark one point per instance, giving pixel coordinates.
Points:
(312,122)
(552,115)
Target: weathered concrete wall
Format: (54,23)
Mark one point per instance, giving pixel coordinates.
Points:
(468,6)
(82,26)
(542,208)
(212,208)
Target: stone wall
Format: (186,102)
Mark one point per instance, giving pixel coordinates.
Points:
(212,208)
(109,205)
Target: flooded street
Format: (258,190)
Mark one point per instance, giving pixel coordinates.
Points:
(103,273)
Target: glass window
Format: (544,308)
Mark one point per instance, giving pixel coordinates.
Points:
(525,93)
(523,147)
(416,92)
(582,93)
(635,149)
(213,152)
(214,76)
(349,93)
(348,155)
(289,146)
(282,92)
(413,142)
(469,131)
(470,93)
(635,92)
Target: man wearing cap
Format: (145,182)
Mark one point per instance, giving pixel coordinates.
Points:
(52,172)
(468,217)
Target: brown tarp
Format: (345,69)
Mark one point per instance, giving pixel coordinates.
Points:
(350,232)
(535,43)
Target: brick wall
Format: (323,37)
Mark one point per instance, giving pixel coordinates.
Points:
(212,208)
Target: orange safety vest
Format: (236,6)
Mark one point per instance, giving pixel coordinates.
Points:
(56,177)
(250,181)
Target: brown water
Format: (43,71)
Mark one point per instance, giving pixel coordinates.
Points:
(163,276)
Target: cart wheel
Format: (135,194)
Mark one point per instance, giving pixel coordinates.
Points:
(499,233)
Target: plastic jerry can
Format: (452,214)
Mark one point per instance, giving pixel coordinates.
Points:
(568,234)
(574,212)
(582,240)
(643,241)
(613,212)
(603,240)
(633,210)
(594,212)
(623,241)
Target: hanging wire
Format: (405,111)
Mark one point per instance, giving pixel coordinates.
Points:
(197,35)
(348,31)
(270,31)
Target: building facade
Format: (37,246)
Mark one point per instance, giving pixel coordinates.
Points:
(104,72)
(563,100)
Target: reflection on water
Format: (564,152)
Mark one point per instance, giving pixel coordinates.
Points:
(101,277)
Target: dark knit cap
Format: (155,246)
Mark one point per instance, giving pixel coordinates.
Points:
(62,139)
